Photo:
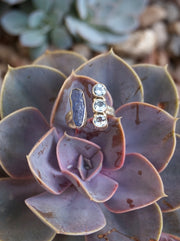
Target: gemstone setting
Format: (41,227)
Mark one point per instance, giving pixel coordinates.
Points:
(99,90)
(99,105)
(100,120)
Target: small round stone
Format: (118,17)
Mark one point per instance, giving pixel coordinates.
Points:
(99,105)
(99,90)
(100,120)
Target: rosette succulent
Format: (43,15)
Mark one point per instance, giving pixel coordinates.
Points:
(78,171)
(43,23)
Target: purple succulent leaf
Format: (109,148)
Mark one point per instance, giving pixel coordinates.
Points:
(60,237)
(35,86)
(171,180)
(149,130)
(63,60)
(139,185)
(17,222)
(69,213)
(43,164)
(111,140)
(143,224)
(159,87)
(171,222)
(120,79)
(168,237)
(71,151)
(19,133)
(62,107)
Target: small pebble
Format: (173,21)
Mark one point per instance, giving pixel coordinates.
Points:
(174,46)
(151,15)
(172,12)
(177,73)
(175,28)
(161,33)
(140,43)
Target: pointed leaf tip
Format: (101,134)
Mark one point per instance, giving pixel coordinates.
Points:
(10,67)
(117,75)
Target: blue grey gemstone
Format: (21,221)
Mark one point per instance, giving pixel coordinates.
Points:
(78,106)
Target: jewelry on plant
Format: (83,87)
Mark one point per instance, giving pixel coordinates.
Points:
(99,90)
(100,108)
(100,120)
(99,105)
(77,116)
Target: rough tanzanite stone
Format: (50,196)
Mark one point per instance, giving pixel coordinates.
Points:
(78,107)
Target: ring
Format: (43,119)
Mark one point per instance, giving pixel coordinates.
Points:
(100,108)
(77,116)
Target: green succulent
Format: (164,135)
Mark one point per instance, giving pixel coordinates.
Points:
(78,172)
(43,23)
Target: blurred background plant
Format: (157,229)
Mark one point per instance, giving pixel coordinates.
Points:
(43,23)
(138,30)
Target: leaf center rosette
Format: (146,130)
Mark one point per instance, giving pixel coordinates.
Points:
(97,180)
(90,158)
(68,155)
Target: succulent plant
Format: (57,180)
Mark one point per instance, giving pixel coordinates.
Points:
(38,23)
(103,23)
(78,171)
(43,23)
